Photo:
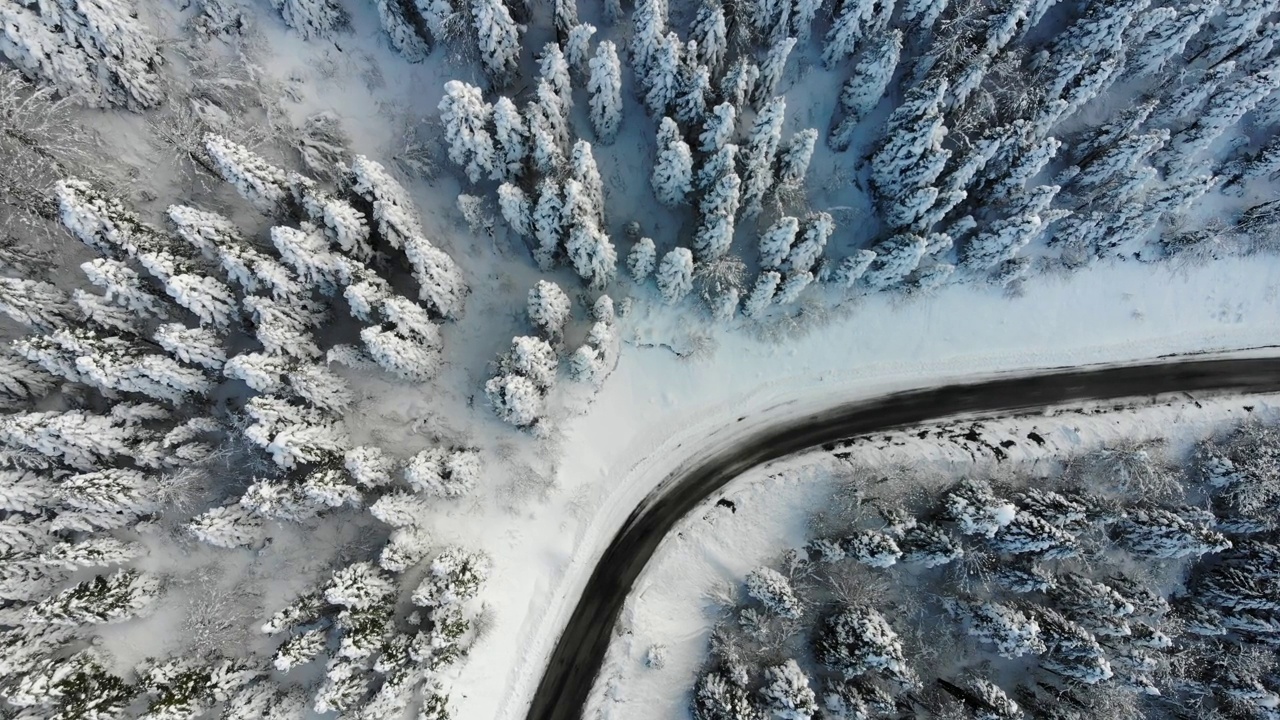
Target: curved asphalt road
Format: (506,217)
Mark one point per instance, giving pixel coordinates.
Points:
(578,655)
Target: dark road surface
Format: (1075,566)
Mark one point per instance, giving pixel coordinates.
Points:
(568,677)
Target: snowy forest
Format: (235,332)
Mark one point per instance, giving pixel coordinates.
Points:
(1123,583)
(274,326)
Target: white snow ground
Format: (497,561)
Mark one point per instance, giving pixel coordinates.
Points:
(675,601)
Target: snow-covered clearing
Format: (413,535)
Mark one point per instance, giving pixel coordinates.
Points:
(679,597)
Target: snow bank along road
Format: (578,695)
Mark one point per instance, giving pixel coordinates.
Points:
(578,655)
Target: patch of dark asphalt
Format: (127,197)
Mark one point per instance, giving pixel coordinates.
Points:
(580,650)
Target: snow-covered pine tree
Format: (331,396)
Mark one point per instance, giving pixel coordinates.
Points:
(217,238)
(585,364)
(854,21)
(42,307)
(307,254)
(195,346)
(710,33)
(792,286)
(787,693)
(282,327)
(47,57)
(400,509)
(759,155)
(1237,22)
(564,18)
(228,526)
(398,21)
(112,363)
(515,208)
(649,26)
(1029,534)
(871,547)
(577,49)
(922,14)
(548,223)
(735,86)
(776,242)
(642,259)
(775,62)
(714,235)
(515,399)
(1225,108)
(1169,38)
(911,157)
(804,255)
(605,89)
(115,40)
(545,148)
(762,293)
(858,640)
(717,128)
(312,18)
(894,259)
(499,39)
(794,160)
(718,697)
(75,686)
(1008,630)
(258,181)
(662,81)
(553,68)
(774,591)
(591,253)
(1153,532)
(675,275)
(582,167)
(533,358)
(863,90)
(466,117)
(928,545)
(510,140)
(22,382)
(549,308)
(690,106)
(1003,238)
(974,507)
(1072,651)
(293,433)
(443,473)
(121,596)
(672,176)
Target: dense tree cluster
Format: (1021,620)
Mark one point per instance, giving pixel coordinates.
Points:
(112,397)
(1068,603)
(981,160)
